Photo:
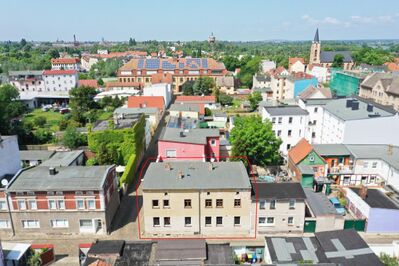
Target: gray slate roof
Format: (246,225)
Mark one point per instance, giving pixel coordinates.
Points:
(69,178)
(279,190)
(196,175)
(26,73)
(389,81)
(319,203)
(184,107)
(286,110)
(62,158)
(149,110)
(338,108)
(331,149)
(377,199)
(360,151)
(262,78)
(35,155)
(317,101)
(179,251)
(195,135)
(328,56)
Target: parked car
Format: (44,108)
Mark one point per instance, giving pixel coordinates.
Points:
(337,205)
(64,110)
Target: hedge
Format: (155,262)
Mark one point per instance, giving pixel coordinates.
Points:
(130,169)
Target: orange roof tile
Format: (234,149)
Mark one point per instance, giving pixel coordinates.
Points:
(392,66)
(300,151)
(65,60)
(59,72)
(146,101)
(112,84)
(293,60)
(197,99)
(89,83)
(162,78)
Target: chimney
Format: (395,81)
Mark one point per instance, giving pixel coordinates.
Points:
(52,171)
(390,149)
(210,167)
(355,105)
(370,107)
(180,174)
(363,192)
(167,166)
(349,103)
(182,134)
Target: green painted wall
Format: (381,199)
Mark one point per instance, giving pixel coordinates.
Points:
(343,84)
(307,181)
(317,159)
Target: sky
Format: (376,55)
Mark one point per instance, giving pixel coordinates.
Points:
(232,20)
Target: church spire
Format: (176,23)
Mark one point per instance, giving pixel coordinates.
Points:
(316,36)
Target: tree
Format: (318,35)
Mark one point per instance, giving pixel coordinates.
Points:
(203,86)
(81,102)
(10,107)
(338,61)
(40,121)
(42,136)
(225,99)
(388,260)
(231,63)
(255,139)
(72,138)
(187,87)
(22,42)
(254,100)
(35,259)
(208,112)
(132,42)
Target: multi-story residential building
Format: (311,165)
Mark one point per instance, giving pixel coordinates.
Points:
(186,110)
(383,88)
(297,82)
(321,73)
(261,81)
(60,81)
(267,66)
(9,149)
(160,89)
(289,123)
(146,102)
(27,81)
(65,64)
(196,199)
(296,64)
(281,207)
(355,121)
(326,58)
(62,200)
(278,85)
(226,84)
(182,69)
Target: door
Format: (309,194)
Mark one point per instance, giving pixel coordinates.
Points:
(358,225)
(309,227)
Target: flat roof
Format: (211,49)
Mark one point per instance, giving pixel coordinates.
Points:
(317,101)
(31,155)
(219,254)
(180,250)
(196,175)
(184,107)
(62,158)
(147,110)
(331,149)
(69,178)
(285,110)
(319,203)
(195,135)
(387,153)
(377,199)
(337,107)
(280,190)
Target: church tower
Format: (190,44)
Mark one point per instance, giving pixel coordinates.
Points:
(315,49)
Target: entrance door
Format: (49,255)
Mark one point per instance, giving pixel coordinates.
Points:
(310,227)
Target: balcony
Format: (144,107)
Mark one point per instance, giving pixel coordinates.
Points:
(341,169)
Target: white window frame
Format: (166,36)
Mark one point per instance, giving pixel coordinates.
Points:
(88,204)
(1,205)
(77,205)
(153,222)
(291,204)
(188,224)
(86,227)
(58,201)
(19,204)
(6,223)
(270,224)
(263,219)
(32,203)
(262,205)
(170,151)
(37,222)
(55,204)
(54,225)
(213,142)
(292,222)
(234,220)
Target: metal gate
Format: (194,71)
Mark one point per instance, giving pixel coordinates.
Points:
(309,227)
(358,225)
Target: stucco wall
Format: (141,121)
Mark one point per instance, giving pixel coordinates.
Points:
(182,150)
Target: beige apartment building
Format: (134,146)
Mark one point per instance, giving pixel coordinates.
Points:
(383,88)
(196,199)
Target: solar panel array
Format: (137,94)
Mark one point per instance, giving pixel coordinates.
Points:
(140,64)
(167,65)
(156,63)
(152,63)
(204,63)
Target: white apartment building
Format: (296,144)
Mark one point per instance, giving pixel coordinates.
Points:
(27,81)
(65,64)
(161,89)
(60,81)
(267,65)
(278,84)
(289,123)
(321,73)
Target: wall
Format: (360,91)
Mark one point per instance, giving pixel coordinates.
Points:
(303,84)
(164,90)
(344,84)
(60,84)
(182,149)
(9,149)
(383,221)
(333,129)
(316,113)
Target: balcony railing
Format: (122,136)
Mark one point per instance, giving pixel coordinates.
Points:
(344,169)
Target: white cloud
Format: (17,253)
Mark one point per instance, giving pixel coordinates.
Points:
(374,20)
(326,20)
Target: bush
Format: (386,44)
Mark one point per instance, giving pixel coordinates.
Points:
(40,121)
(208,112)
(91,162)
(73,139)
(43,136)
(225,99)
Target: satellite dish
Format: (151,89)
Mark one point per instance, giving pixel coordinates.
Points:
(4,182)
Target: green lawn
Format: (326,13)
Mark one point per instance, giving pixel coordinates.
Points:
(105,115)
(52,118)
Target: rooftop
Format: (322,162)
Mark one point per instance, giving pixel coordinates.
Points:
(196,175)
(147,110)
(195,135)
(196,99)
(35,155)
(179,251)
(219,254)
(300,151)
(328,56)
(88,83)
(312,90)
(331,149)
(387,153)
(69,178)
(59,72)
(337,107)
(146,101)
(376,198)
(317,101)
(319,203)
(26,73)
(62,158)
(389,82)
(280,190)
(285,110)
(184,107)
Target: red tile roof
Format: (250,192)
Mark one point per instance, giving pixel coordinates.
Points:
(293,60)
(59,72)
(197,99)
(89,83)
(65,60)
(112,84)
(146,101)
(300,151)
(162,78)
(392,66)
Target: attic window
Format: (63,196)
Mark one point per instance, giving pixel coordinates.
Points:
(311,158)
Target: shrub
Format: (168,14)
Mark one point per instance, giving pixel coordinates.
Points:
(40,121)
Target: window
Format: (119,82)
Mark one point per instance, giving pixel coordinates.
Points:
(61,204)
(374,165)
(170,153)
(4,224)
(290,220)
(80,205)
(59,223)
(289,133)
(288,146)
(280,120)
(315,109)
(187,203)
(262,204)
(187,221)
(313,134)
(91,204)
(273,120)
(262,220)
(52,205)
(155,204)
(30,224)
(208,203)
(272,204)
(21,205)
(270,220)
(166,221)
(365,164)
(86,223)
(219,203)
(237,203)
(166,203)
(32,204)
(237,220)
(155,221)
(278,133)
(213,142)
(289,120)
(292,204)
(208,221)
(311,158)
(3,205)
(219,221)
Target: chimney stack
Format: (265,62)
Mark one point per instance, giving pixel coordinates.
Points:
(390,149)
(349,103)
(52,171)
(363,192)
(210,166)
(180,174)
